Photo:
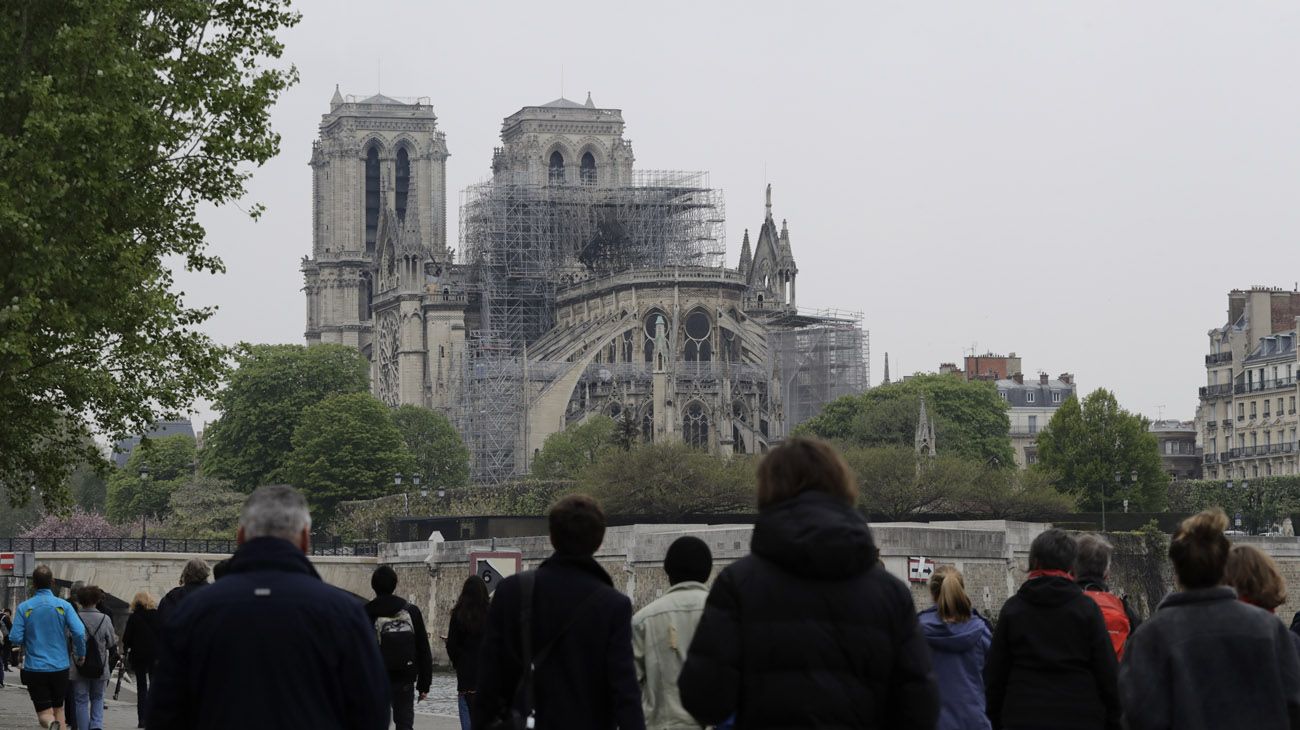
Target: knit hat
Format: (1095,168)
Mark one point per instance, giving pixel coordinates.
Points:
(688,558)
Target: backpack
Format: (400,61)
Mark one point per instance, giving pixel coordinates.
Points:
(93,666)
(1117,623)
(396,635)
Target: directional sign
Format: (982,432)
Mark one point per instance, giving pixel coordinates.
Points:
(495,566)
(919,569)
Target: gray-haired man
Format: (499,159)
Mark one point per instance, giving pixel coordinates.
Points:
(270,645)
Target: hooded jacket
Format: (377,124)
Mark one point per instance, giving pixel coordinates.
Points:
(1051,663)
(958,652)
(809,630)
(270,645)
(1204,661)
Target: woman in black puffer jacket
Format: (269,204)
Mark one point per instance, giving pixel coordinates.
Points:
(809,630)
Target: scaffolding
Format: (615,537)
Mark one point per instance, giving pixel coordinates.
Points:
(822,356)
(525,239)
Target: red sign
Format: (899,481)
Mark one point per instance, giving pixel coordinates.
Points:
(6,561)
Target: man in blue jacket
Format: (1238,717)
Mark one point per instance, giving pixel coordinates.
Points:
(270,645)
(41,628)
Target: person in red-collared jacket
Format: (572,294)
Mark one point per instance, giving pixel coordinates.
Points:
(1051,664)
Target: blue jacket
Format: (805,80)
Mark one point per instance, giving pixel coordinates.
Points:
(957,652)
(270,645)
(41,627)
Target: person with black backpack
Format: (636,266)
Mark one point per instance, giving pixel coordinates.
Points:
(403,643)
(90,676)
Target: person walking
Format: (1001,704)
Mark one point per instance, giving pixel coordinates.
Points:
(140,644)
(465,639)
(1051,663)
(1091,573)
(809,630)
(662,632)
(580,642)
(270,645)
(41,627)
(403,644)
(194,577)
(959,641)
(89,678)
(1205,659)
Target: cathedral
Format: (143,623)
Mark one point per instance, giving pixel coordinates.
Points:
(579,285)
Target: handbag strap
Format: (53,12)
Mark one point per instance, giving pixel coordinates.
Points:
(527,581)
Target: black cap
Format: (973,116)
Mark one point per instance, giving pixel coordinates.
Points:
(688,558)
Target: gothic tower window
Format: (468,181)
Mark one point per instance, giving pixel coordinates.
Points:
(372,197)
(695,425)
(403,181)
(652,321)
(698,328)
(556,167)
(588,169)
(365,296)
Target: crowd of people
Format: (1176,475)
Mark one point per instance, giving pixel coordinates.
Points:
(808,630)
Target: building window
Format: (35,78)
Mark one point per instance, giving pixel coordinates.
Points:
(1291,406)
(1241,411)
(1056,396)
(695,426)
(556,171)
(587,171)
(1033,424)
(1266,402)
(1003,393)
(698,328)
(372,197)
(1029,396)
(1253,412)
(403,186)
(1254,440)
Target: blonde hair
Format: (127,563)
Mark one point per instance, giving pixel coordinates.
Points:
(949,593)
(1255,576)
(143,601)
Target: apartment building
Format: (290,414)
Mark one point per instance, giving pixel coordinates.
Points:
(1176,441)
(1032,405)
(1248,421)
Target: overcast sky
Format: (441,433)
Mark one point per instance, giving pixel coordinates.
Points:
(1078,182)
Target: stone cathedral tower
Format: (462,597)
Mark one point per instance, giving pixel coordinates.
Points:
(379,231)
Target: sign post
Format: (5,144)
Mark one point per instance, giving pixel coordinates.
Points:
(494,566)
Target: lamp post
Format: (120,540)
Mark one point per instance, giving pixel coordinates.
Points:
(144,524)
(1119,479)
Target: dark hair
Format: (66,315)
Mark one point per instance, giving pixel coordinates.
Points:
(195,571)
(804,465)
(1255,576)
(577,525)
(1199,549)
(89,596)
(42,577)
(1093,559)
(1053,549)
(384,580)
(220,568)
(471,608)
(688,558)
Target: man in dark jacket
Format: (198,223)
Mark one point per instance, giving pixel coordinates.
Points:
(810,630)
(581,637)
(194,577)
(270,645)
(408,646)
(1052,663)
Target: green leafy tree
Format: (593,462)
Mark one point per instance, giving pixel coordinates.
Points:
(670,480)
(566,453)
(970,418)
(895,484)
(119,119)
(1086,445)
(628,432)
(202,508)
(345,447)
(441,458)
(170,463)
(88,487)
(1014,494)
(263,403)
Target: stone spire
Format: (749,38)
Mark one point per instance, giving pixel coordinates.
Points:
(746,254)
(589,104)
(886,382)
(925,445)
(787,255)
(337,100)
(769,201)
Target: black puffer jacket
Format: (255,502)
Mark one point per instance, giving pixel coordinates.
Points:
(810,631)
(1052,663)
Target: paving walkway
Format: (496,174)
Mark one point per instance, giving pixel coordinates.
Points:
(16,710)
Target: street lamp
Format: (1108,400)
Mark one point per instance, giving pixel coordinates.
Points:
(1119,479)
(144,524)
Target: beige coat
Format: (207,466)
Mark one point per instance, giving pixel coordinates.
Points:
(661,634)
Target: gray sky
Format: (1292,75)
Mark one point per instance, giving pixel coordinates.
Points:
(1080,182)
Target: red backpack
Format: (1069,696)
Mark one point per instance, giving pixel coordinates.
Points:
(1117,623)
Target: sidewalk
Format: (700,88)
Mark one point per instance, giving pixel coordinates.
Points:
(16,710)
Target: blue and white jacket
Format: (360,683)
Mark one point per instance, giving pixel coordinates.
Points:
(41,626)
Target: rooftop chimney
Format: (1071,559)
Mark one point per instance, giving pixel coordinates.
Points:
(1019,378)
(1066,378)
(1042,378)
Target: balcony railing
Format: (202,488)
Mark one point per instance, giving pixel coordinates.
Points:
(1211,458)
(1216,391)
(1218,358)
(1262,385)
(1226,423)
(1211,425)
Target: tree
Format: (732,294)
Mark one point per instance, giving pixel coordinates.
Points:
(119,119)
(1014,494)
(566,453)
(74,523)
(132,495)
(669,480)
(897,484)
(263,403)
(1087,445)
(345,447)
(970,418)
(441,458)
(202,508)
